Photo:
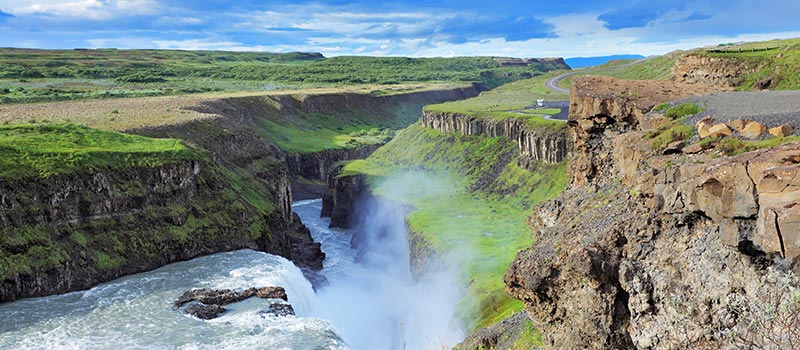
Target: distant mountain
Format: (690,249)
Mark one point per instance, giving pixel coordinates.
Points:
(580,62)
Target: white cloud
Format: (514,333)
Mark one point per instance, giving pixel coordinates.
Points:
(576,24)
(88,9)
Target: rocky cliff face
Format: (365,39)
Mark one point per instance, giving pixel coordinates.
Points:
(542,144)
(651,251)
(721,71)
(70,232)
(311,171)
(341,197)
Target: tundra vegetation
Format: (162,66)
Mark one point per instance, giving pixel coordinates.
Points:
(28,75)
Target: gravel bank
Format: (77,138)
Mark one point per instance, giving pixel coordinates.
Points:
(771,108)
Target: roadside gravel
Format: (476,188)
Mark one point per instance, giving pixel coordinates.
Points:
(771,108)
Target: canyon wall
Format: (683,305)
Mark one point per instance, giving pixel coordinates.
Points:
(652,251)
(71,232)
(535,144)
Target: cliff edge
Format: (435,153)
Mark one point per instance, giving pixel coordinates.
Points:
(657,249)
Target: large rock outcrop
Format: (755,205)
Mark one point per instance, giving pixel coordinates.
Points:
(547,145)
(651,251)
(711,70)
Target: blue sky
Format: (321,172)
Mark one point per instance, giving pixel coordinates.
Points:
(565,28)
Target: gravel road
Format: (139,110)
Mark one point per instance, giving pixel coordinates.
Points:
(771,108)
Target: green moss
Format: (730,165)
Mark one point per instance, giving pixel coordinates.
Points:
(105,262)
(79,238)
(44,150)
(530,338)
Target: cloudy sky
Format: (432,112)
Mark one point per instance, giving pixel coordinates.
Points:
(566,28)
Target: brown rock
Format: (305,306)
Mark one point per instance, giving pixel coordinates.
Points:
(719,130)
(782,131)
(674,147)
(738,124)
(704,126)
(753,130)
(694,148)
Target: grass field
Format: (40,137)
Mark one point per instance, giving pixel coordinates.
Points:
(508,101)
(28,75)
(655,68)
(458,211)
(43,150)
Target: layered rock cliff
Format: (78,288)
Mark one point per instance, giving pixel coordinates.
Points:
(312,172)
(651,251)
(535,144)
(70,232)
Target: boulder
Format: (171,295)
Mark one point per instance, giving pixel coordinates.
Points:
(226,296)
(753,130)
(203,311)
(674,147)
(697,147)
(704,126)
(782,131)
(738,124)
(719,130)
(278,309)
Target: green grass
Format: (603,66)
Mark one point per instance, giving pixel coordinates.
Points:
(681,110)
(657,68)
(508,101)
(465,201)
(43,150)
(731,146)
(668,133)
(46,75)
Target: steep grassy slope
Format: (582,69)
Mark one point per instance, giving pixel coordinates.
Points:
(470,196)
(45,75)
